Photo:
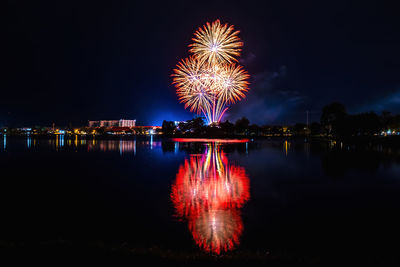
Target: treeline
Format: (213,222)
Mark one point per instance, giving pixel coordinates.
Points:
(335,122)
(196,126)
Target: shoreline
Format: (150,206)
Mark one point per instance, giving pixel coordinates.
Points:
(395,139)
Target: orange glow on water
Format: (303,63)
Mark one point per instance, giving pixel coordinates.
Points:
(207,140)
(209,193)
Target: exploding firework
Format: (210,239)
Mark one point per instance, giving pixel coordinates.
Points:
(209,81)
(216,43)
(233,83)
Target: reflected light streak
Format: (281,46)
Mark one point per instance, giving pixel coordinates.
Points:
(28,141)
(208,140)
(121,146)
(124,146)
(286,147)
(208,192)
(176,147)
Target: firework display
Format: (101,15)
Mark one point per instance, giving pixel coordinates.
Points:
(210,80)
(209,192)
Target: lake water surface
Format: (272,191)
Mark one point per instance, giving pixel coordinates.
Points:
(268,196)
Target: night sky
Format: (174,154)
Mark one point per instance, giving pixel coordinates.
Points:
(73,61)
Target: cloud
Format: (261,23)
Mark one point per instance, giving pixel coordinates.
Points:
(248,59)
(270,100)
(389,102)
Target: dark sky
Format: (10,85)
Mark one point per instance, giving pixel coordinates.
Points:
(71,61)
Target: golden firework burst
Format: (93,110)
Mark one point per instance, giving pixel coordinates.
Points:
(209,81)
(216,43)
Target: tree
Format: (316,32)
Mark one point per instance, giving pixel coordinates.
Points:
(395,123)
(242,125)
(168,127)
(387,119)
(331,116)
(359,124)
(184,126)
(227,127)
(213,130)
(300,129)
(254,129)
(196,125)
(316,128)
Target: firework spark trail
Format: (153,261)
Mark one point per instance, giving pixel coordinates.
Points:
(209,81)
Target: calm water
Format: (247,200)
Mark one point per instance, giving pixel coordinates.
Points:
(270,195)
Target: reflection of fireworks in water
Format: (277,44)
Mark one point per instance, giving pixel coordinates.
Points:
(217,230)
(209,192)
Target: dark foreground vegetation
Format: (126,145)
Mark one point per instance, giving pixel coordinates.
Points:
(335,123)
(63,252)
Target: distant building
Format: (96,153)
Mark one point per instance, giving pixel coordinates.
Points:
(127,123)
(94,123)
(113,123)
